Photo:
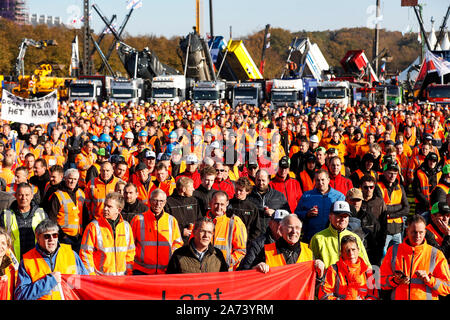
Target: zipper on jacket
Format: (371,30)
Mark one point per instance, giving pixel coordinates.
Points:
(410,271)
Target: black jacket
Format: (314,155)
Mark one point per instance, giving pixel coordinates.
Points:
(40,182)
(130,210)
(203,197)
(248,212)
(431,240)
(184,209)
(272,199)
(255,251)
(423,203)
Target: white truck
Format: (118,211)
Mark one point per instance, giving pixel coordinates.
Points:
(127,90)
(250,93)
(212,92)
(170,88)
(285,92)
(90,88)
(334,92)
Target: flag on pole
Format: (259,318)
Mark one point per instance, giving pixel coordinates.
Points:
(437,64)
(134,4)
(383,67)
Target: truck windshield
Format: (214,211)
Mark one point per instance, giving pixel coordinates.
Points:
(123,93)
(393,91)
(284,96)
(82,90)
(163,92)
(439,92)
(206,95)
(330,93)
(245,93)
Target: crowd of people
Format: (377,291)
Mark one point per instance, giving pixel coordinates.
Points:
(136,189)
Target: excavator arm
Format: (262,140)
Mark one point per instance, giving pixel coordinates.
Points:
(19,66)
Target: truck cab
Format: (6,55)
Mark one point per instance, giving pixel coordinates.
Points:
(168,89)
(127,90)
(438,93)
(90,88)
(334,92)
(286,92)
(250,93)
(212,92)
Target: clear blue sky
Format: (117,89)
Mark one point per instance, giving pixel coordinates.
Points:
(177,17)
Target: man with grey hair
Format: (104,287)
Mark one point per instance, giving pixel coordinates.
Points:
(39,274)
(288,249)
(157,236)
(66,209)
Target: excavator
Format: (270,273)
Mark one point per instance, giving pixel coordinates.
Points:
(41,82)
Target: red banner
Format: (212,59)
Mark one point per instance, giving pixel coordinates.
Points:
(291,282)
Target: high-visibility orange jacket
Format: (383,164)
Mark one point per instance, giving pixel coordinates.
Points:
(155,241)
(96,191)
(54,159)
(425,186)
(290,188)
(37,268)
(394,199)
(436,233)
(274,258)
(84,161)
(306,183)
(143,191)
(105,252)
(414,162)
(230,236)
(409,259)
(10,282)
(347,281)
(70,214)
(167,186)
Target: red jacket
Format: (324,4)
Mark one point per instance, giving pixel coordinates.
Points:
(194,176)
(290,188)
(341,184)
(225,185)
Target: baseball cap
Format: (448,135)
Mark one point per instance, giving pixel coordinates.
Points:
(163,157)
(141,166)
(191,159)
(446,169)
(440,207)
(390,166)
(310,158)
(259,143)
(280,214)
(150,154)
(118,129)
(354,193)
(314,139)
(428,137)
(129,135)
(332,150)
(101,152)
(284,162)
(341,207)
(432,156)
(143,133)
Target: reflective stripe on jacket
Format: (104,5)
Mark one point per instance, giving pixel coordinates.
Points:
(70,214)
(274,258)
(409,259)
(155,241)
(106,253)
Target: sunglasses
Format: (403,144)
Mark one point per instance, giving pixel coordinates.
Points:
(368,187)
(48,236)
(220,170)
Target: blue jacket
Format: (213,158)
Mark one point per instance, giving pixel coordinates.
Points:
(28,290)
(324,202)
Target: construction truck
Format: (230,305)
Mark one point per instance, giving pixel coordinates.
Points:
(232,61)
(249,92)
(334,92)
(125,90)
(209,92)
(170,89)
(438,93)
(306,60)
(91,88)
(285,92)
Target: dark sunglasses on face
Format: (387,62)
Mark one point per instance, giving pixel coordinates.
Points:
(368,187)
(48,236)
